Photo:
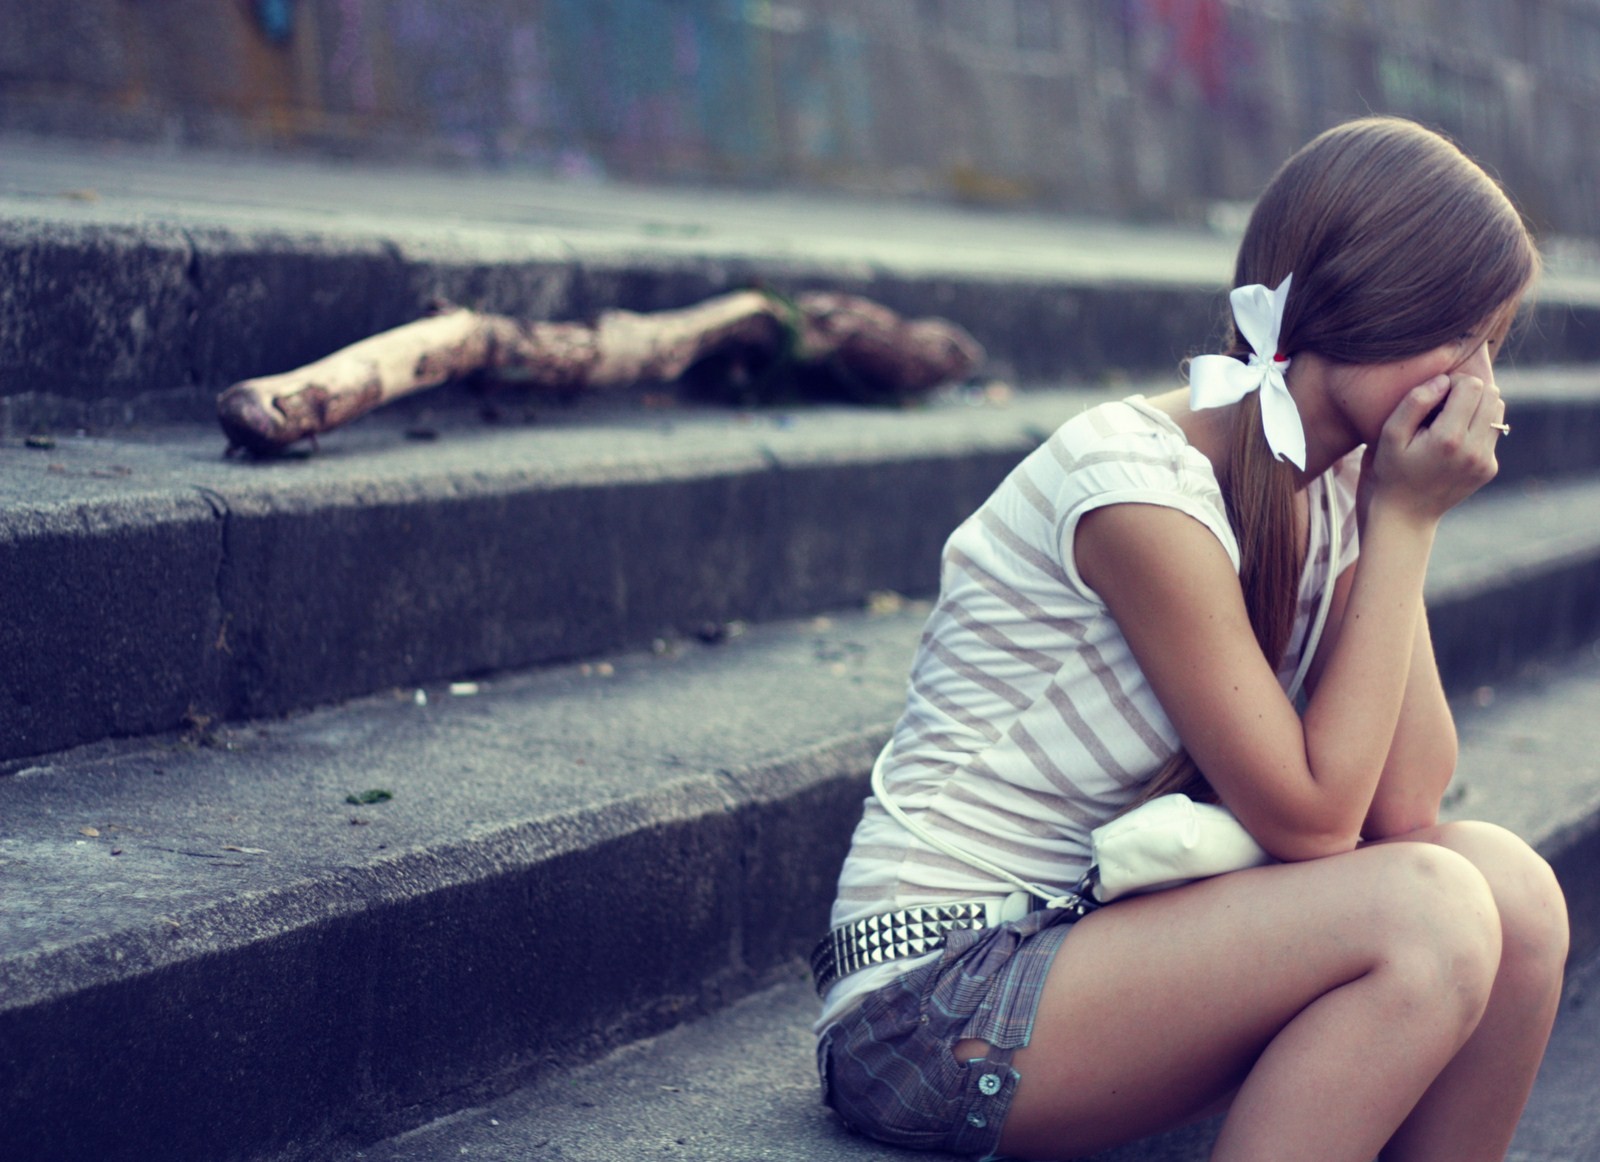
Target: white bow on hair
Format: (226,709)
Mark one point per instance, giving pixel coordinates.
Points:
(1216,380)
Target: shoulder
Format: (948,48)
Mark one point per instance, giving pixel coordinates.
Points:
(1131,423)
(1128,452)
(1129,441)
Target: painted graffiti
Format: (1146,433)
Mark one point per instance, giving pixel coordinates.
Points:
(1096,105)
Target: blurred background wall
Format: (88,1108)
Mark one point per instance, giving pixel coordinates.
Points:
(1146,109)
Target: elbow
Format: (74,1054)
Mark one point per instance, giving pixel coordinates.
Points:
(1387,818)
(1310,833)
(1388,821)
(1306,845)
(1402,807)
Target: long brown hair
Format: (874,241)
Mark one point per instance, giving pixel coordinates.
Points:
(1398,243)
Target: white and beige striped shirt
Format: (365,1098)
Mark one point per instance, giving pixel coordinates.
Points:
(1028,723)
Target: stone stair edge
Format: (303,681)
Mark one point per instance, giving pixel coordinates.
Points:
(389,454)
(470,244)
(181,305)
(234,923)
(128,318)
(185,561)
(523,769)
(751,1061)
(715,773)
(716,855)
(377,460)
(1563,820)
(488,570)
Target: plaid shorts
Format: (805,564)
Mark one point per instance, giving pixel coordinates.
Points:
(887,1068)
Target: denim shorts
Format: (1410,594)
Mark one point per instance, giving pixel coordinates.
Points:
(887,1068)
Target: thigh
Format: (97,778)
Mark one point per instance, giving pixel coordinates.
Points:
(1157,1007)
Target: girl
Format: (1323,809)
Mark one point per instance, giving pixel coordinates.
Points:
(1122,618)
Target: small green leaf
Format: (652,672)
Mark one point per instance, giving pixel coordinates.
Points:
(367,798)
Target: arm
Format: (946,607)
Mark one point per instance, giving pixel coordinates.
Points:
(1422,755)
(1303,787)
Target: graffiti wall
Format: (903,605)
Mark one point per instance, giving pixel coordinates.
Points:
(1147,108)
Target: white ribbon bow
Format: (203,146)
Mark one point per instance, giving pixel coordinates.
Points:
(1216,380)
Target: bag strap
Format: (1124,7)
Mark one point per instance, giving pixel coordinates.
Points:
(1052,899)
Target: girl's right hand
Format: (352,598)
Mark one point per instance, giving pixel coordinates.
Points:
(1436,449)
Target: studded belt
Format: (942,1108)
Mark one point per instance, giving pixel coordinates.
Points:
(913,931)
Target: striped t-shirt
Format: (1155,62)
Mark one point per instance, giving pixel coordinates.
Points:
(1028,723)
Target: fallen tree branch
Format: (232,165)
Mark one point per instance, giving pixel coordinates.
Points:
(747,343)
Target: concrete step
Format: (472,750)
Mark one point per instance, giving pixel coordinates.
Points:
(142,282)
(740,1085)
(1562,1121)
(206,952)
(210,590)
(1557,425)
(287,968)
(204,944)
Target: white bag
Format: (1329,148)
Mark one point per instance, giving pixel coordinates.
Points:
(1168,841)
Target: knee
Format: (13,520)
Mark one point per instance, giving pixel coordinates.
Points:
(1437,931)
(1528,899)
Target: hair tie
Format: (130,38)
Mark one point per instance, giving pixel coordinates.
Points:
(1216,380)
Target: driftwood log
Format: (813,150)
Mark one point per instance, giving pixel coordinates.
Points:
(748,346)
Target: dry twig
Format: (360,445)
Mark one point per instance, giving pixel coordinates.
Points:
(834,345)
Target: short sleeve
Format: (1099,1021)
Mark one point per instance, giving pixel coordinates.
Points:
(1138,458)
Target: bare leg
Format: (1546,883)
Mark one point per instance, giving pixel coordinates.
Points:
(1329,994)
(1472,1109)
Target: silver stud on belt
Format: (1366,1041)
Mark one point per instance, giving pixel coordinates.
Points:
(913,931)
(889,936)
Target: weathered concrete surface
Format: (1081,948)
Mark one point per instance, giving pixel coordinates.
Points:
(293,975)
(159,584)
(265,299)
(226,268)
(93,313)
(285,968)
(1562,1121)
(384,562)
(1515,575)
(1556,430)
(112,615)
